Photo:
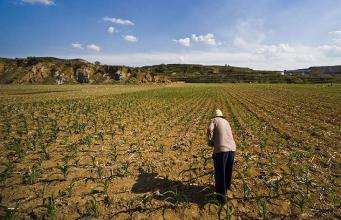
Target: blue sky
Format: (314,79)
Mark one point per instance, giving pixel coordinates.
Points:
(262,34)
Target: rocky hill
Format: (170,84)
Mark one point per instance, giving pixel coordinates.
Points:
(318,70)
(49,70)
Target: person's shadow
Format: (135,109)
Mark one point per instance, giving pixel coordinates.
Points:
(172,191)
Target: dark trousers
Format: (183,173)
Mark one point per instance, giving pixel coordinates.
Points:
(223,165)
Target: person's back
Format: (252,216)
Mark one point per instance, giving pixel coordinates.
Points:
(220,134)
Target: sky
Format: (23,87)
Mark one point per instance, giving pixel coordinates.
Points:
(260,34)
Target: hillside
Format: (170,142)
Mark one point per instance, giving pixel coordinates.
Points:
(211,73)
(317,70)
(49,70)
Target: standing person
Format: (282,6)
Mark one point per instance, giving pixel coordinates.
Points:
(221,139)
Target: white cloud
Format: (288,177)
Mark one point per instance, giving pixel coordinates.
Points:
(112,30)
(294,57)
(198,57)
(118,21)
(250,37)
(207,39)
(249,48)
(249,33)
(240,42)
(182,59)
(338,32)
(274,49)
(44,2)
(130,38)
(77,45)
(93,47)
(261,56)
(336,37)
(185,42)
(331,50)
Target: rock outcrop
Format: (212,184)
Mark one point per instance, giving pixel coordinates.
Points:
(48,70)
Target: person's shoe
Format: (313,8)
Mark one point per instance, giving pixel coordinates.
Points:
(221,199)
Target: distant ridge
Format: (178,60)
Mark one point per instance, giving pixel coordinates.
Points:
(318,70)
(51,70)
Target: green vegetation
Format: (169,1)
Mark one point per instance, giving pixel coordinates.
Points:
(140,152)
(49,70)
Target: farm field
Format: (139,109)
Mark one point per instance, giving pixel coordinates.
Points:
(140,152)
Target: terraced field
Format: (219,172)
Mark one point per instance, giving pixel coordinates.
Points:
(140,152)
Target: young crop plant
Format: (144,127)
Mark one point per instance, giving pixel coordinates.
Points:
(68,190)
(16,145)
(77,127)
(50,206)
(10,212)
(262,207)
(123,170)
(92,208)
(229,210)
(271,163)
(23,127)
(9,166)
(175,197)
(205,158)
(246,189)
(73,149)
(39,192)
(64,168)
(106,185)
(44,155)
(93,161)
(300,200)
(150,167)
(6,128)
(87,140)
(113,152)
(32,142)
(274,184)
(30,176)
(263,143)
(247,156)
(54,131)
(65,140)
(40,130)
(100,171)
(100,136)
(94,123)
(161,148)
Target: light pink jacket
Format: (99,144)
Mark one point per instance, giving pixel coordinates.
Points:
(220,135)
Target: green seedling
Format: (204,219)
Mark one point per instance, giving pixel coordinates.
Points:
(50,206)
(92,208)
(262,207)
(64,168)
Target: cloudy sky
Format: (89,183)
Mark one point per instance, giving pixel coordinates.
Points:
(261,34)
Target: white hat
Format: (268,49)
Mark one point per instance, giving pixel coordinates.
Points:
(218,113)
